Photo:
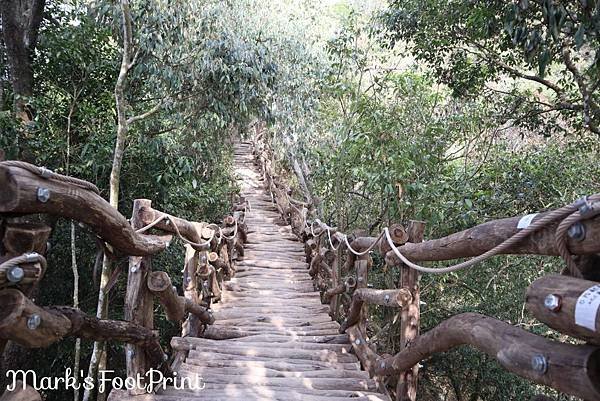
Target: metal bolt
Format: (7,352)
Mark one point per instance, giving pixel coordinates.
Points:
(577,231)
(45,172)
(134,269)
(34,322)
(357,341)
(15,274)
(32,257)
(552,302)
(387,298)
(382,365)
(586,210)
(130,353)
(539,363)
(43,194)
(174,289)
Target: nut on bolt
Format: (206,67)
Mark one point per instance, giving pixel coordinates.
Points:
(577,231)
(539,364)
(553,302)
(43,194)
(34,321)
(15,274)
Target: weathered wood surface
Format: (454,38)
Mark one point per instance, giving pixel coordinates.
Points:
(571,369)
(19,196)
(410,316)
(553,300)
(272,338)
(480,239)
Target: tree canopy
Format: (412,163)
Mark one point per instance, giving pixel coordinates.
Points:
(448,111)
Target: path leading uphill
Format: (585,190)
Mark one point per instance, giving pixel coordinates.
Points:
(282,343)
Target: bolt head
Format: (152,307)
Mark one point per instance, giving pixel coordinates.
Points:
(539,364)
(577,231)
(32,257)
(33,322)
(15,274)
(43,194)
(357,341)
(387,298)
(552,302)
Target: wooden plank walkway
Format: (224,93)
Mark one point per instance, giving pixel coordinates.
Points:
(280,344)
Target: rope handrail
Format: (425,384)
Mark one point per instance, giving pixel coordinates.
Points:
(567,215)
(171,220)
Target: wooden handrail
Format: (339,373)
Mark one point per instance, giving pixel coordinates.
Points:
(571,369)
(20,196)
(568,368)
(480,239)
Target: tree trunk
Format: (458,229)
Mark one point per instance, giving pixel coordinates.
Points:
(99,351)
(75,305)
(21,20)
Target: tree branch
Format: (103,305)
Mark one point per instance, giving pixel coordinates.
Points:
(145,115)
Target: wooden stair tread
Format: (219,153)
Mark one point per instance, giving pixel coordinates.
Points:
(272,339)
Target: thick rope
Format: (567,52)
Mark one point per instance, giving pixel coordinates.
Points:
(568,215)
(19,260)
(558,214)
(171,220)
(585,212)
(50,175)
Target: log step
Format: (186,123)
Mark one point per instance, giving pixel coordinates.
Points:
(273,339)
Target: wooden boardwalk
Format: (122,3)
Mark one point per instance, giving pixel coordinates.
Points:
(278,341)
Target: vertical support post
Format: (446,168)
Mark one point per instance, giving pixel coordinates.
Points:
(138,302)
(410,317)
(361,265)
(17,238)
(191,325)
(335,281)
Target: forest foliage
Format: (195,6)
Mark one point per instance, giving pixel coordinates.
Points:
(451,112)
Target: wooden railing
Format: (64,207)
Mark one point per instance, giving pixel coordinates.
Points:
(566,303)
(210,254)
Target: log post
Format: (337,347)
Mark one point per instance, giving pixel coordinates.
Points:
(190,285)
(138,300)
(335,281)
(362,273)
(21,238)
(567,304)
(406,389)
